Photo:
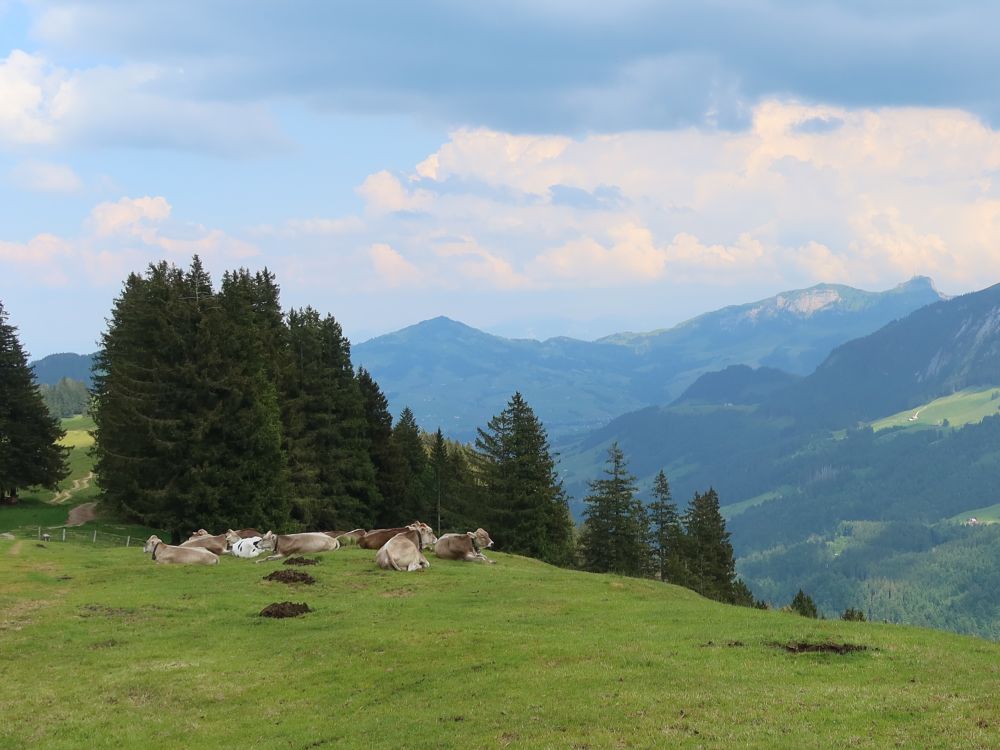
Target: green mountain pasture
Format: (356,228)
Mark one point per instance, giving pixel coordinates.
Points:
(103,648)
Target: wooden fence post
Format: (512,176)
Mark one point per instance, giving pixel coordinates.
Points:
(128,540)
(95,536)
(64,533)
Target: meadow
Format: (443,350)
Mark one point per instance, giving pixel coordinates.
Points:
(103,648)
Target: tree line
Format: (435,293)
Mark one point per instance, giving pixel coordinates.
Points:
(621,534)
(215,408)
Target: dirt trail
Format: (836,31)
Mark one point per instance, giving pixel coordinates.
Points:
(81,514)
(78,484)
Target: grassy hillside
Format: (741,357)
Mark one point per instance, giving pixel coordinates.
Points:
(962,408)
(102,648)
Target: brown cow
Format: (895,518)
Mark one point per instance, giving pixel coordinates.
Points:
(402,552)
(467,546)
(296,544)
(166,553)
(217,544)
(375,538)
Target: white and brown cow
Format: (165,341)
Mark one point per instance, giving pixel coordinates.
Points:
(164,554)
(244,548)
(468,546)
(403,551)
(296,544)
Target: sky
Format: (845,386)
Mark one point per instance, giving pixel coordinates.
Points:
(530,168)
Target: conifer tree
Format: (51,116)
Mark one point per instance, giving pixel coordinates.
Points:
(326,433)
(616,528)
(528,513)
(414,487)
(804,605)
(710,561)
(385,455)
(188,433)
(666,534)
(29,435)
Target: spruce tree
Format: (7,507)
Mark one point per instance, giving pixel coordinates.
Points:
(666,534)
(326,433)
(29,435)
(616,528)
(804,605)
(710,561)
(187,431)
(528,512)
(385,457)
(414,489)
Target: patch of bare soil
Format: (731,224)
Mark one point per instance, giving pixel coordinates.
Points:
(285,609)
(301,561)
(290,576)
(827,647)
(81,514)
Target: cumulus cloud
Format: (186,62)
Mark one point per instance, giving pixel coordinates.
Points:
(875,197)
(119,237)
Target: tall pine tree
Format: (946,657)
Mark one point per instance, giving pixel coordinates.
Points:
(710,561)
(666,534)
(616,529)
(528,511)
(326,432)
(29,435)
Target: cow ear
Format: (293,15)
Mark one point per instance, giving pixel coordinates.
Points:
(469,534)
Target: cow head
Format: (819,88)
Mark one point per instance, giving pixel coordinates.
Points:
(200,532)
(482,538)
(232,537)
(267,542)
(427,536)
(151,543)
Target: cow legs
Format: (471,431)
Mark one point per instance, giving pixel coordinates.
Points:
(272,557)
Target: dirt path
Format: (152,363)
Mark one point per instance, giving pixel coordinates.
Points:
(78,484)
(81,514)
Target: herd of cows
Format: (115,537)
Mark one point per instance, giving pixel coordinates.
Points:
(397,549)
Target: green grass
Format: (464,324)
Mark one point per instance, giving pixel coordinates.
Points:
(962,408)
(102,648)
(733,510)
(989,514)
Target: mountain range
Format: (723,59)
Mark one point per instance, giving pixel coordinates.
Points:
(456,377)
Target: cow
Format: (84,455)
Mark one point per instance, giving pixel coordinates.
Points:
(375,538)
(467,546)
(165,553)
(243,548)
(296,544)
(215,544)
(403,551)
(346,537)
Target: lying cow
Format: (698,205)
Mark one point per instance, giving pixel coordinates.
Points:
(166,553)
(346,537)
(245,549)
(402,552)
(467,546)
(215,544)
(375,538)
(296,544)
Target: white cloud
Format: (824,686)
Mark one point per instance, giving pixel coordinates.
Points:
(393,268)
(119,237)
(45,177)
(809,193)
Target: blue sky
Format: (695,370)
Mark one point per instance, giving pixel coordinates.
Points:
(531,168)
